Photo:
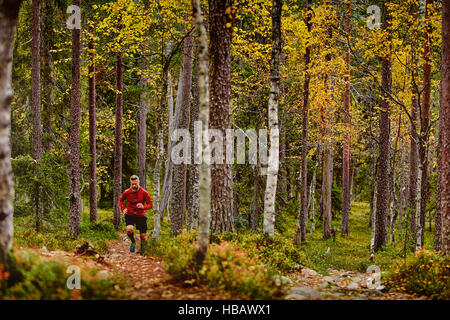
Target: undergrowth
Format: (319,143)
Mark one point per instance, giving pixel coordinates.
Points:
(27,276)
(425,274)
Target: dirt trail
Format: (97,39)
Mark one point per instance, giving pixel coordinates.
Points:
(148,280)
(339,285)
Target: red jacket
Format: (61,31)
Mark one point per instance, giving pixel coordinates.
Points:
(133,198)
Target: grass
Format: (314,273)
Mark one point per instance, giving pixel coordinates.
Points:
(277,256)
(347,252)
(54,233)
(352,252)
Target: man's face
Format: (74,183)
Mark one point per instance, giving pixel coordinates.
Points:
(134,185)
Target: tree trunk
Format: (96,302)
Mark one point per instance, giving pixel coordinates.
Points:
(156,188)
(36,107)
(444,130)
(413,160)
(273,164)
(300,235)
(326,182)
(192,206)
(255,204)
(173,123)
(327,168)
(393,196)
(9,11)
(419,225)
(312,193)
(220,111)
(204,213)
(178,202)
(92,134)
(373,183)
(372,224)
(143,122)
(346,154)
(47,73)
(425,121)
(382,207)
(118,141)
(75,118)
(438,214)
(162,105)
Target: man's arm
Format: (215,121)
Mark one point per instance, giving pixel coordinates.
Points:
(122,204)
(148,201)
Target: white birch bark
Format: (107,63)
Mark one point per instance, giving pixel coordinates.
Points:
(173,124)
(204,213)
(156,188)
(312,192)
(273,163)
(327,181)
(393,200)
(8,18)
(419,226)
(372,222)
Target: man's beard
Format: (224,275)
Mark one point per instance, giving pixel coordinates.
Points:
(134,188)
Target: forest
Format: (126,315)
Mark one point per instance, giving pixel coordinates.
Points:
(225,149)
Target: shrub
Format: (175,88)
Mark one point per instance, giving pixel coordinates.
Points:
(226,266)
(278,253)
(427,274)
(28,276)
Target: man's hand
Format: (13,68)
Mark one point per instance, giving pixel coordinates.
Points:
(125,211)
(139,206)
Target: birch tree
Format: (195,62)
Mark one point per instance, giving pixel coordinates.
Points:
(9,11)
(142,122)
(204,214)
(425,124)
(192,197)
(178,203)
(272,170)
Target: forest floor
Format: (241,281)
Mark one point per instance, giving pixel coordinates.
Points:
(144,278)
(331,270)
(339,285)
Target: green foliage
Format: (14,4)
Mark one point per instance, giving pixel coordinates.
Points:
(336,200)
(28,276)
(279,253)
(54,233)
(426,274)
(226,266)
(51,176)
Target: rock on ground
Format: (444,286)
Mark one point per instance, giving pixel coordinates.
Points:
(306,292)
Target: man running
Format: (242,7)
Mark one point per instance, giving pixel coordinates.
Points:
(134,212)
